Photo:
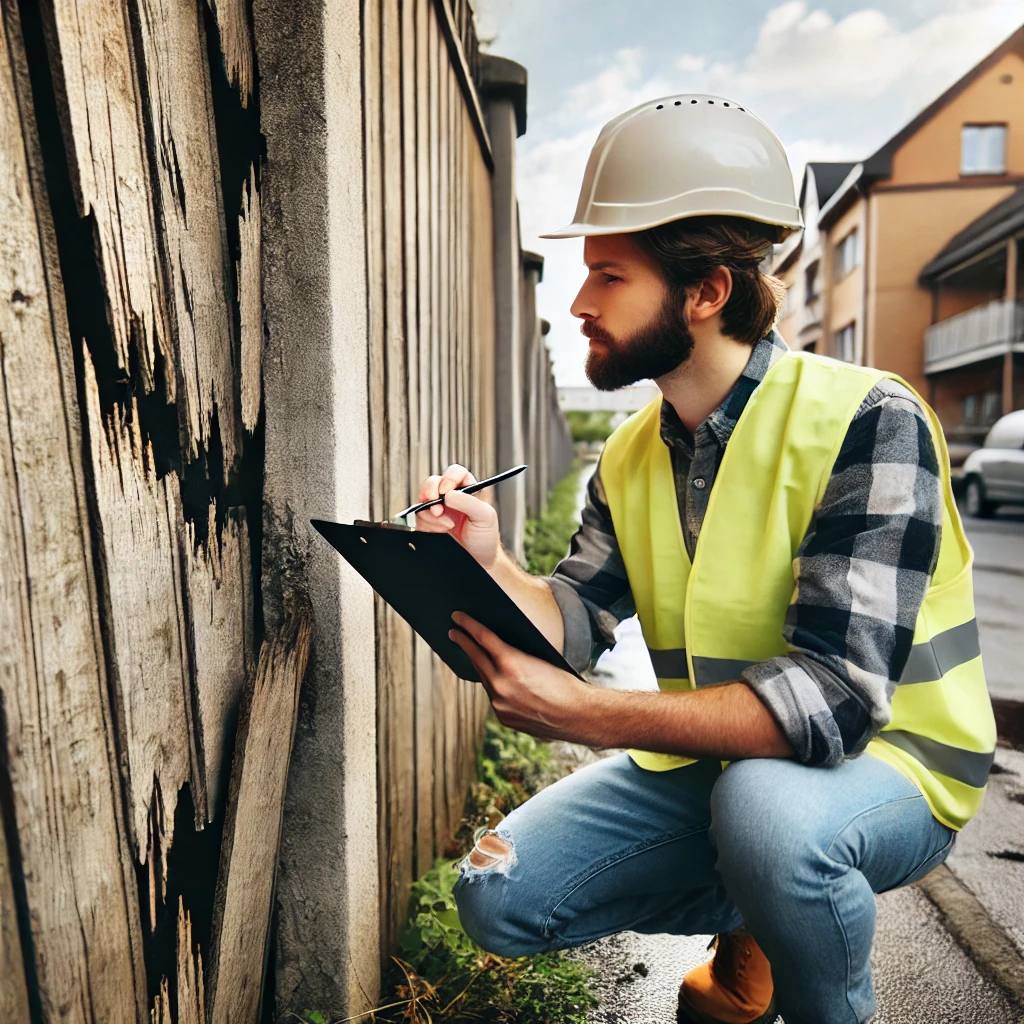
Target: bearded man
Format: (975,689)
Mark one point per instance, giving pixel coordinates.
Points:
(784,528)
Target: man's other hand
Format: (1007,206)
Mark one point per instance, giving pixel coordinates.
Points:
(526,692)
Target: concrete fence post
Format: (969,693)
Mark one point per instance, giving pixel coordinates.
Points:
(317,465)
(504,92)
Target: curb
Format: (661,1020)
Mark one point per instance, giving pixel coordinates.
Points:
(984,941)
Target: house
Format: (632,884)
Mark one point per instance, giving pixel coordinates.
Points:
(892,243)
(799,264)
(974,349)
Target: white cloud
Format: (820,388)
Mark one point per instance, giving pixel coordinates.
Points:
(805,55)
(833,89)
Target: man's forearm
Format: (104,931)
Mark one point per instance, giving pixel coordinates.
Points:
(534,597)
(727,722)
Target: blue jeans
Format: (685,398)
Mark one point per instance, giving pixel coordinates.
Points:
(795,854)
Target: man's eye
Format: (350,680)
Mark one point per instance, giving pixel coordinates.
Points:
(611,277)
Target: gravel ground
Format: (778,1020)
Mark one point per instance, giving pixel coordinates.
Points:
(989,854)
(921,975)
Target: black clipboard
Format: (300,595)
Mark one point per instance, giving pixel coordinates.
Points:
(426,577)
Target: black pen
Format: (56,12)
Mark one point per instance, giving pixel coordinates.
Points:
(468,489)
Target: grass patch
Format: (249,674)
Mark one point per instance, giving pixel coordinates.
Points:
(590,426)
(441,974)
(547,538)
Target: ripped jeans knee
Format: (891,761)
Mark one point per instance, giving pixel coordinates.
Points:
(486,896)
(491,852)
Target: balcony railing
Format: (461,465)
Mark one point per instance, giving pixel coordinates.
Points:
(979,333)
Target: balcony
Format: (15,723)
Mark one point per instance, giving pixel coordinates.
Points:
(980,333)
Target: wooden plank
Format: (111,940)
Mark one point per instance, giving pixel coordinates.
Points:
(252,826)
(444,242)
(418,463)
(250,302)
(193,239)
(457,340)
(378,425)
(433,391)
(191,997)
(235,44)
(456,59)
(98,99)
(434,125)
(140,541)
(218,572)
(79,882)
(453,788)
(13,993)
(401,763)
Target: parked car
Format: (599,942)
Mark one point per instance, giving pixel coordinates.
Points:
(994,473)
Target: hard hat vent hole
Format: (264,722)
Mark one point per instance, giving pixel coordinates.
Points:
(712,102)
(725,104)
(679,103)
(660,106)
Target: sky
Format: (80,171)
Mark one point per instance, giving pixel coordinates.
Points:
(834,80)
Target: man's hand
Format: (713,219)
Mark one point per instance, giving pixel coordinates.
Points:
(526,693)
(470,520)
(726,722)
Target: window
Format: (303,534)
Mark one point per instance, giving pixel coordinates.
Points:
(983,149)
(811,283)
(842,343)
(847,255)
(971,411)
(991,407)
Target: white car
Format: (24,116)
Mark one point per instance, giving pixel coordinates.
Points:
(994,474)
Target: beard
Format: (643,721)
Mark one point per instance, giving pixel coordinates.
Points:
(654,350)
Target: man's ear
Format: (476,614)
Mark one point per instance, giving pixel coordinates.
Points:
(708,299)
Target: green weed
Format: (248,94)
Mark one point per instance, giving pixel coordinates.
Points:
(441,974)
(547,538)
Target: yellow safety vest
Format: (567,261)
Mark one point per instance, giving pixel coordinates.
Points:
(705,623)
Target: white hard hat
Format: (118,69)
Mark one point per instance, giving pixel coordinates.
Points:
(684,156)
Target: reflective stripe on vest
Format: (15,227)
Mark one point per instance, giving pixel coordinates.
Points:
(927,662)
(706,623)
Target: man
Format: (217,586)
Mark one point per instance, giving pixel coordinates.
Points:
(784,528)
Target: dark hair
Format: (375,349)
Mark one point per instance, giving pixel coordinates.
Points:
(688,250)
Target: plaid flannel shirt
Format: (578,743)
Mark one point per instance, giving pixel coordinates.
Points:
(860,573)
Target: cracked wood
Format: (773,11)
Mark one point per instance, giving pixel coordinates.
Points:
(76,869)
(94,76)
(193,235)
(252,828)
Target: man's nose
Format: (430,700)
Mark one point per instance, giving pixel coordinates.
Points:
(581,308)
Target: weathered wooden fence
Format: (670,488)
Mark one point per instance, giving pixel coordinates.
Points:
(257,264)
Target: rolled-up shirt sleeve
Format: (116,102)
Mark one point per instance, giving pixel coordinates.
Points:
(860,575)
(590,584)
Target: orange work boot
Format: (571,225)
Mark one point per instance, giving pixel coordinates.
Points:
(733,988)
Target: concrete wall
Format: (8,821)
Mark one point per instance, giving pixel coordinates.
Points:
(502,79)
(317,465)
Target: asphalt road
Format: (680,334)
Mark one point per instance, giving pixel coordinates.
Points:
(999,598)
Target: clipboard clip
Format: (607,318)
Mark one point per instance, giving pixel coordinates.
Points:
(387,525)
